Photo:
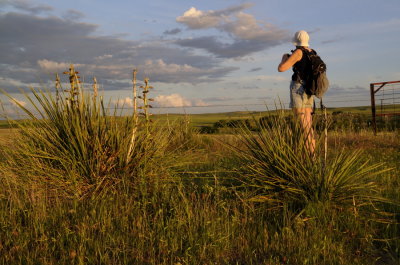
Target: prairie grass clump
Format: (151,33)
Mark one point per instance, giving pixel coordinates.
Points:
(75,141)
(328,201)
(279,170)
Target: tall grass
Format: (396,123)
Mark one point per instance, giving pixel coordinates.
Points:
(278,168)
(80,144)
(68,195)
(302,191)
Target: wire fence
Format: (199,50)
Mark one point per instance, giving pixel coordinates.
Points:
(337,100)
(248,106)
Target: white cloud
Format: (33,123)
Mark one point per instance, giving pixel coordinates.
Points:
(157,70)
(163,68)
(197,19)
(52,66)
(246,27)
(173,100)
(176,100)
(247,34)
(51,43)
(233,21)
(126,102)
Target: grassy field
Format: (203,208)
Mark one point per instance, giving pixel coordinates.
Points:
(344,119)
(75,190)
(211,118)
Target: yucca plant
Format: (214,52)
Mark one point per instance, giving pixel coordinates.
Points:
(78,140)
(277,168)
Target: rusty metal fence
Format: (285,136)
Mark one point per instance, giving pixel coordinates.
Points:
(385,101)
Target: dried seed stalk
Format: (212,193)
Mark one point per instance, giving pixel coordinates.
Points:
(74,83)
(58,89)
(135,118)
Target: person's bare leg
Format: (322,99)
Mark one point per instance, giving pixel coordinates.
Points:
(309,129)
(305,119)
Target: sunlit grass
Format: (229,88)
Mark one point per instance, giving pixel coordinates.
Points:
(278,166)
(68,195)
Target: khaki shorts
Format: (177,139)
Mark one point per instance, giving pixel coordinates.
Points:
(298,97)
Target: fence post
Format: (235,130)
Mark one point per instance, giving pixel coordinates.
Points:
(373,108)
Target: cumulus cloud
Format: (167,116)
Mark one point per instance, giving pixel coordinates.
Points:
(126,102)
(51,66)
(246,27)
(197,19)
(247,34)
(176,100)
(51,43)
(173,100)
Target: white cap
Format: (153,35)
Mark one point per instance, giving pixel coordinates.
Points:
(301,38)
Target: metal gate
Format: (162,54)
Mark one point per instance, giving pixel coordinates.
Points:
(385,100)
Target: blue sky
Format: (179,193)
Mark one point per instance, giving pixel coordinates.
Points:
(201,56)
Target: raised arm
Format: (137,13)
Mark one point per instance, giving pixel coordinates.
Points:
(288,61)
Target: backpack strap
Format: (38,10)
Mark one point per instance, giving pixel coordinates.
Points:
(304,50)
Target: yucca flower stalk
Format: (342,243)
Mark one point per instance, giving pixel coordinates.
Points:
(135,116)
(146,106)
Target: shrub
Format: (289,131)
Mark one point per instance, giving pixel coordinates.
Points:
(208,129)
